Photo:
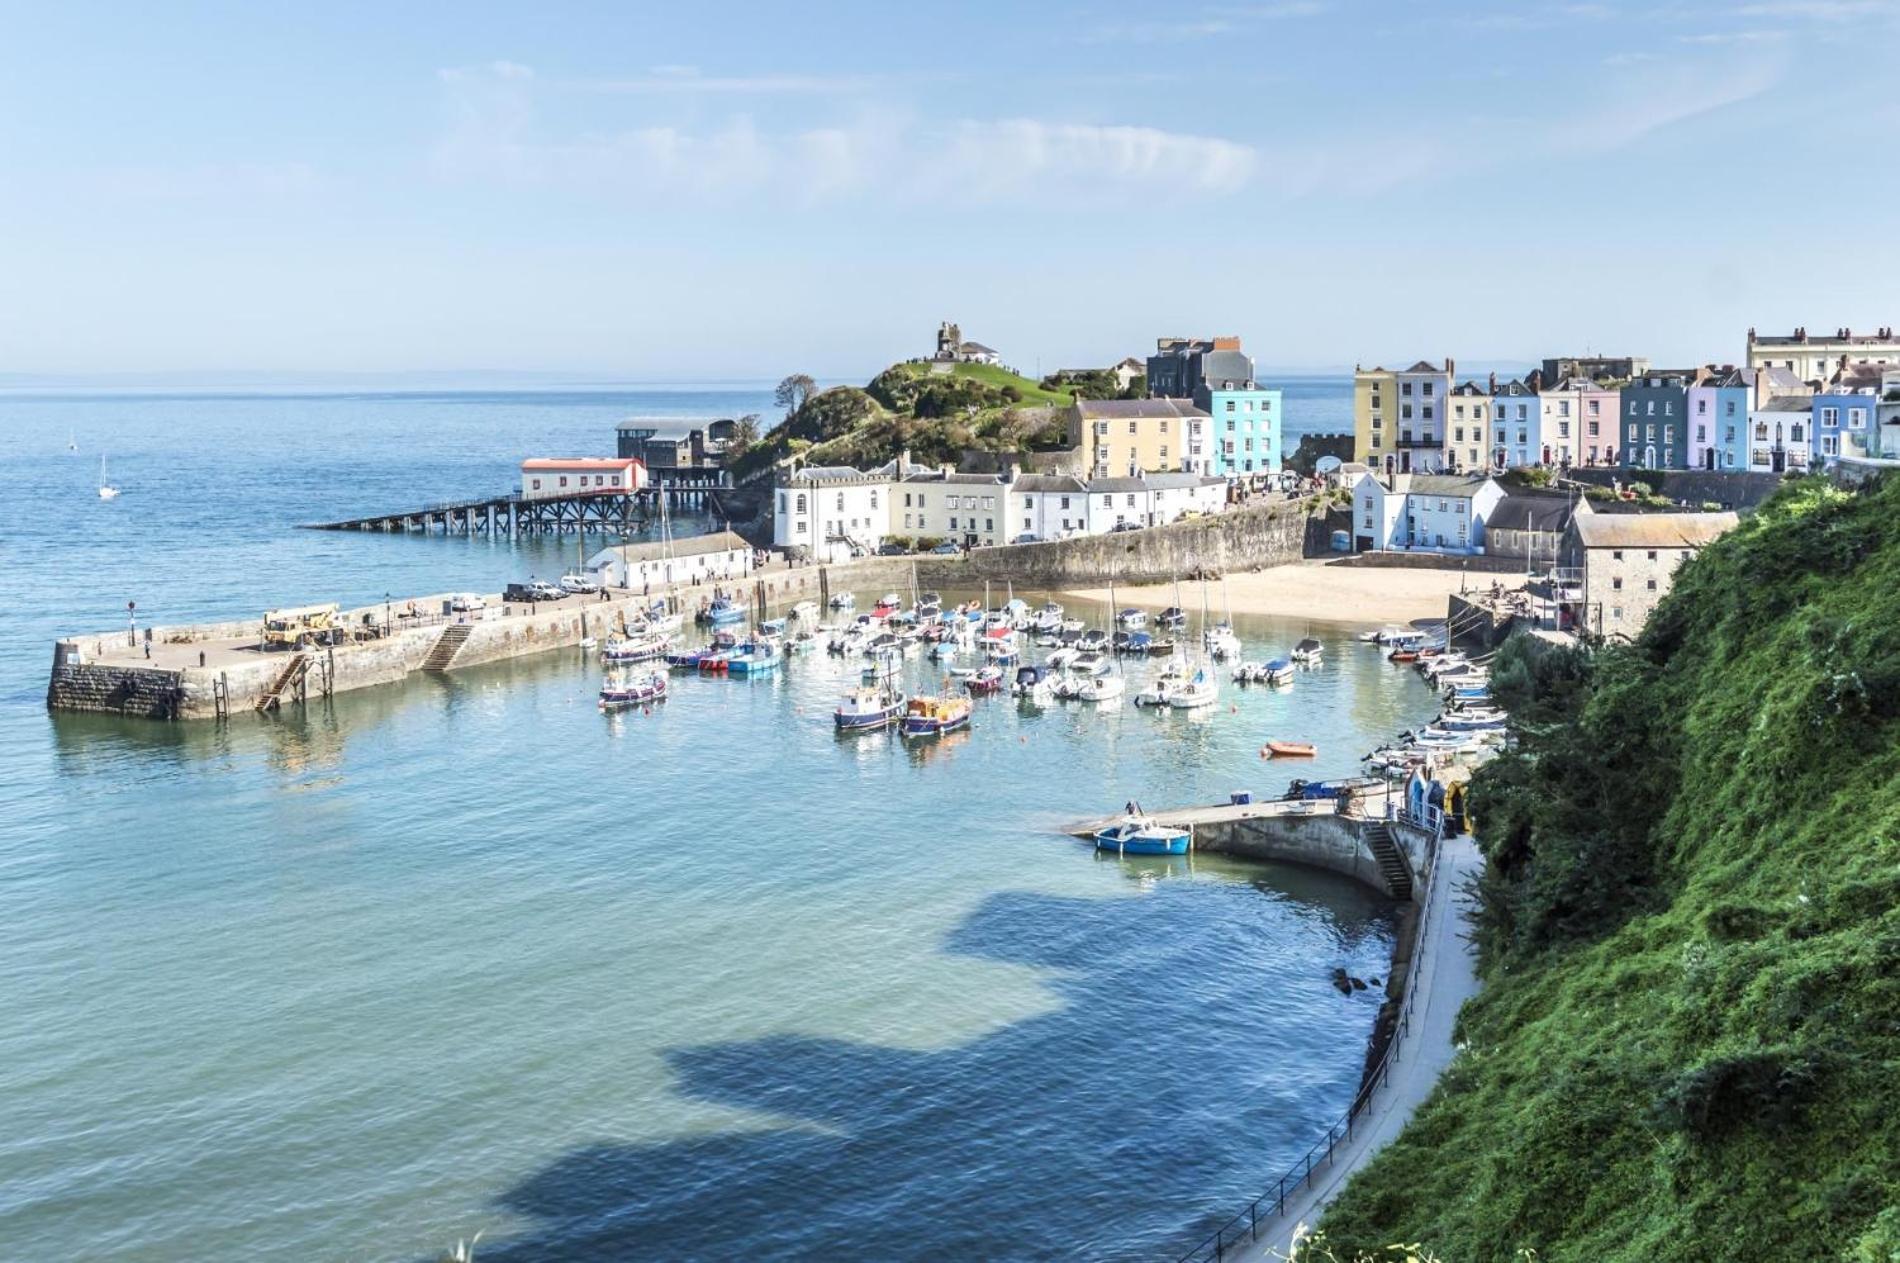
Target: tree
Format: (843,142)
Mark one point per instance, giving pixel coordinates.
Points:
(794,391)
(745,432)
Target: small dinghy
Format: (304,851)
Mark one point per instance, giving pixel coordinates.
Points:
(1288,750)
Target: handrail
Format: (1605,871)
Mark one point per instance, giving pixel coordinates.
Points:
(1272,1204)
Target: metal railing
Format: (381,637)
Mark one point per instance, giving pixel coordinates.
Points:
(1244,1228)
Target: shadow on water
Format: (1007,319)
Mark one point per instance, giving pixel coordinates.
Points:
(1198,1054)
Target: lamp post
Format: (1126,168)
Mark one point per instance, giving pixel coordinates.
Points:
(132,624)
(386,618)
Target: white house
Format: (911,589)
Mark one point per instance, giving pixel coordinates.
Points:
(969,509)
(1778,435)
(654,567)
(1431,512)
(1152,499)
(834,512)
(1048,506)
(544,478)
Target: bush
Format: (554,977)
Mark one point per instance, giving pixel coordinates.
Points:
(927,542)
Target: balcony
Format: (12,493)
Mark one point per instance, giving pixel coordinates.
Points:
(1425,441)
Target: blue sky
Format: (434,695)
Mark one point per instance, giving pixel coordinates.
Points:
(668,192)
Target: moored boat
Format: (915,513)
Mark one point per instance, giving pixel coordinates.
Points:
(647,687)
(637,648)
(1288,750)
(1140,835)
(1198,691)
(1132,617)
(934,716)
(1308,651)
(868,708)
(985,681)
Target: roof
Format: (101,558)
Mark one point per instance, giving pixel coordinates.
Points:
(977,346)
(1130,362)
(579,462)
(968,480)
(1066,483)
(1423,366)
(1852,339)
(830,473)
(1226,366)
(1135,409)
(1651,530)
(1787,403)
(689,546)
(1446,485)
(1783,378)
(1518,512)
(1122,484)
(1515,389)
(1468,388)
(1181,481)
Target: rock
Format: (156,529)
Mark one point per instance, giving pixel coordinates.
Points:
(1358,984)
(1341,981)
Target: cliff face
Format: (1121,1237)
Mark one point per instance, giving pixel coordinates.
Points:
(1688,1044)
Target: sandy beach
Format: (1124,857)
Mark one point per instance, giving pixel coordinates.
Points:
(1344,596)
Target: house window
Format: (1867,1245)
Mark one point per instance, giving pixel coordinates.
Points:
(537,484)
(563,480)
(874,500)
(1652,554)
(907,521)
(801,502)
(1616,612)
(1616,555)
(1616,584)
(1230,405)
(1830,417)
(841,502)
(1594,407)
(1652,585)
(1856,418)
(1131,428)
(989,523)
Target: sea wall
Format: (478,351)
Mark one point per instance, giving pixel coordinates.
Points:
(1323,840)
(1738,490)
(1476,563)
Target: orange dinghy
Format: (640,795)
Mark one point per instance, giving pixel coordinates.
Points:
(1288,750)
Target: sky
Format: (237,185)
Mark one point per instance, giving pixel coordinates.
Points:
(736,191)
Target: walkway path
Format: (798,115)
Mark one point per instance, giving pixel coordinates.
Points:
(1447,978)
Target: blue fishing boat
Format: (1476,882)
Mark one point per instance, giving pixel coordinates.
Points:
(722,612)
(1140,835)
(755,657)
(686,659)
(642,690)
(869,708)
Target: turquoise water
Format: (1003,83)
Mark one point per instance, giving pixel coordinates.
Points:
(465,954)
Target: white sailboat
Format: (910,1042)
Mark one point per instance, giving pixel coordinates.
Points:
(106,490)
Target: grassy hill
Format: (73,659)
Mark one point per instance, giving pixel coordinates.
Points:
(935,416)
(1688,1044)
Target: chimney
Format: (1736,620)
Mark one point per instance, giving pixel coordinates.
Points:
(1494,383)
(1751,335)
(1450,366)
(1536,380)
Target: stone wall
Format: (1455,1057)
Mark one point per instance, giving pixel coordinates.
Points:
(1476,563)
(1738,490)
(1323,840)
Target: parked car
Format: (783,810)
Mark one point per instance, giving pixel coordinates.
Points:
(1027,537)
(544,591)
(1119,527)
(892,550)
(947,549)
(467,601)
(579,581)
(529,593)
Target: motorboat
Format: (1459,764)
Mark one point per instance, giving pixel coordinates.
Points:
(1093,641)
(868,708)
(640,648)
(1048,618)
(1279,671)
(1139,643)
(642,689)
(987,680)
(1073,626)
(1201,690)
(1016,612)
(805,612)
(1091,664)
(886,666)
(887,605)
(1100,688)
(1034,684)
(722,612)
(1308,652)
(1131,618)
(1220,641)
(755,657)
(1062,657)
(1140,835)
(1250,673)
(1172,617)
(1288,750)
(686,659)
(1160,690)
(1160,646)
(934,716)
(843,601)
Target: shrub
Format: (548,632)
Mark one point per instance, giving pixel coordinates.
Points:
(927,542)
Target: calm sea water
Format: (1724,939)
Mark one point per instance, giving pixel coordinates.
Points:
(464,954)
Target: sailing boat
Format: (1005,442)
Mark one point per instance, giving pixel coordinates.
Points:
(659,617)
(1106,686)
(72,440)
(106,489)
(1219,640)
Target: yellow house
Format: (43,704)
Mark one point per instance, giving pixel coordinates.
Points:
(1119,438)
(1467,427)
(1374,413)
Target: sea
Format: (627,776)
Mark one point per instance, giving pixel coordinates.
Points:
(463,955)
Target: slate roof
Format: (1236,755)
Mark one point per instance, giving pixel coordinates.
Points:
(1445,485)
(1788,403)
(965,480)
(1423,366)
(1226,366)
(1651,530)
(829,473)
(1136,409)
(1518,512)
(1064,484)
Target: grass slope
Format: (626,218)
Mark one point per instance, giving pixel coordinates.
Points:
(997,378)
(1688,1044)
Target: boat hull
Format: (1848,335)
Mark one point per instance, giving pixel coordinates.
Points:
(1166,843)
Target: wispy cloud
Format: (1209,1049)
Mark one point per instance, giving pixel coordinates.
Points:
(1821,10)
(1732,37)
(688,80)
(1640,109)
(492,135)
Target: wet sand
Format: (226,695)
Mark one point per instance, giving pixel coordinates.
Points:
(1344,596)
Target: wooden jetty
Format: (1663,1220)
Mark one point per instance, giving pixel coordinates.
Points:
(514,514)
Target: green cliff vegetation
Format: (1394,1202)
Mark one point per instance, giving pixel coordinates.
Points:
(1688,1042)
(936,416)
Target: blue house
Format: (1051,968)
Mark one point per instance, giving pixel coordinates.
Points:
(1843,420)
(1242,439)
(1719,405)
(1654,422)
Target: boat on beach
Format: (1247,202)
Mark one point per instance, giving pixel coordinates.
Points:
(1140,835)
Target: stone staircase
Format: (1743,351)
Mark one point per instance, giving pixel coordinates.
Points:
(447,645)
(1393,870)
(287,679)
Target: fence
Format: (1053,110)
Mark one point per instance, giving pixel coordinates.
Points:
(1271,1205)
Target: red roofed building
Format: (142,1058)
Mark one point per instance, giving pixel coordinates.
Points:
(544,478)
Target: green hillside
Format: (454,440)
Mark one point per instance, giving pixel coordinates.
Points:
(935,416)
(1688,1044)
